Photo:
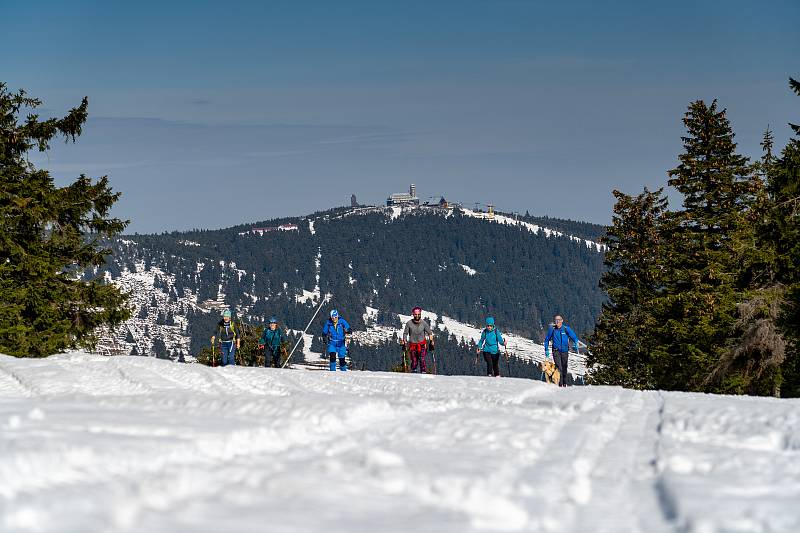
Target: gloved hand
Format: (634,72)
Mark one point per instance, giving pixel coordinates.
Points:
(261,346)
(547,354)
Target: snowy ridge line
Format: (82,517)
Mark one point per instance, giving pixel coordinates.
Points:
(393,212)
(535,228)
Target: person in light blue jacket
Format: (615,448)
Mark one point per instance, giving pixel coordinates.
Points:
(336,330)
(490,342)
(559,334)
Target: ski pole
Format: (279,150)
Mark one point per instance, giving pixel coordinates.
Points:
(347,354)
(508,364)
(304,331)
(213,356)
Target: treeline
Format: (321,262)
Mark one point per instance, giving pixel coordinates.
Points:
(706,297)
(584,230)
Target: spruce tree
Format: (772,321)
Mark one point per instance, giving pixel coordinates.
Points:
(48,237)
(696,314)
(621,342)
(754,355)
(783,184)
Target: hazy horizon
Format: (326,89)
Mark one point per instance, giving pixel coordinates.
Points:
(209,116)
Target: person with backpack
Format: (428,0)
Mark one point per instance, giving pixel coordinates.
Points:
(336,330)
(271,342)
(559,334)
(228,339)
(489,344)
(416,337)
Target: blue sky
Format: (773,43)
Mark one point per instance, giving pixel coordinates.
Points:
(209,114)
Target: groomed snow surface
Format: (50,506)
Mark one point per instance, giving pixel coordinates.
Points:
(113,444)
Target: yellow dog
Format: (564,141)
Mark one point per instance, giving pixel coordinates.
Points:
(551,373)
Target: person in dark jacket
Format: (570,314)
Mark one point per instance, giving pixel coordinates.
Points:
(559,334)
(228,339)
(489,344)
(336,330)
(271,341)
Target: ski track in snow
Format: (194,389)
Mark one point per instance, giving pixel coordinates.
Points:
(118,444)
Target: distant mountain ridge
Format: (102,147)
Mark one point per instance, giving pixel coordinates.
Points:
(457,263)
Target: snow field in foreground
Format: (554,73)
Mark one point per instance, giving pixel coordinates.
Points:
(91,443)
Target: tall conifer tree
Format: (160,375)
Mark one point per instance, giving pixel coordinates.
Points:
(48,236)
(783,182)
(697,312)
(621,343)
(751,362)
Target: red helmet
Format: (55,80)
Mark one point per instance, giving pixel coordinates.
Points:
(416,310)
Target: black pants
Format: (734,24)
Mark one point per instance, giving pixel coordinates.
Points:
(275,353)
(561,359)
(492,363)
(342,360)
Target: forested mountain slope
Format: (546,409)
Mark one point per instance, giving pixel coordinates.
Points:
(457,263)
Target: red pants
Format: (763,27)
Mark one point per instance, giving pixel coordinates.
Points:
(417,351)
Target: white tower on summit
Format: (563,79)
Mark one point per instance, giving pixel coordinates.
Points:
(413,190)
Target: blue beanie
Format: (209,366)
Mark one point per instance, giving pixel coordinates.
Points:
(489,321)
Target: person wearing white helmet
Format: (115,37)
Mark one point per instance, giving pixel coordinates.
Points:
(228,339)
(336,330)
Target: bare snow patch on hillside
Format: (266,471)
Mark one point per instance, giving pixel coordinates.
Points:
(307,297)
(469,270)
(141,330)
(370,314)
(312,296)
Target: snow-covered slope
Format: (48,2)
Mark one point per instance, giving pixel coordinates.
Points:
(93,444)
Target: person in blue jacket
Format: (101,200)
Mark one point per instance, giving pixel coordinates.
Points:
(560,334)
(490,342)
(336,330)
